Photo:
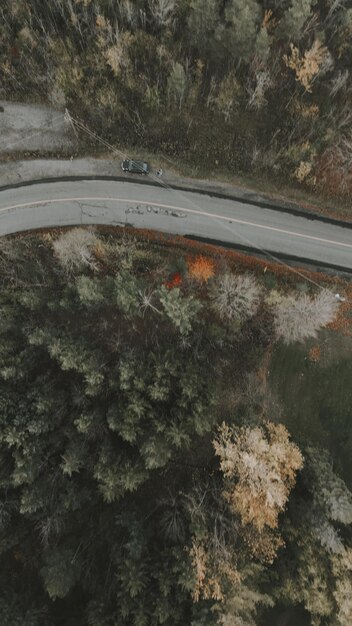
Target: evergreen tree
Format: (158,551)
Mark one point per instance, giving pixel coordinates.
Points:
(113,509)
(291,26)
(238,33)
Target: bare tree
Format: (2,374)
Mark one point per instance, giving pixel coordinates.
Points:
(177,85)
(298,318)
(130,14)
(74,249)
(162,11)
(256,92)
(339,82)
(228,95)
(236,297)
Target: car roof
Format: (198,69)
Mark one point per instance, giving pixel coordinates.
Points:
(136,164)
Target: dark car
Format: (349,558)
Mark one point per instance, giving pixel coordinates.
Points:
(135,167)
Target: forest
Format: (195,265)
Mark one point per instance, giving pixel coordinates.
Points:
(142,483)
(247,86)
(175,437)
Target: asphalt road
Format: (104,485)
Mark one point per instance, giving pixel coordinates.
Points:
(179,212)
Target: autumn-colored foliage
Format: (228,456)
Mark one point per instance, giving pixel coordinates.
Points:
(259,467)
(201,268)
(307,66)
(333,170)
(237,261)
(206,586)
(209,570)
(175,281)
(314,354)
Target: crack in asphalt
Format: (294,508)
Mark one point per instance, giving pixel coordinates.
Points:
(135,210)
(91,205)
(140,210)
(102,211)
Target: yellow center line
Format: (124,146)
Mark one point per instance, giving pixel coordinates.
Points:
(176,208)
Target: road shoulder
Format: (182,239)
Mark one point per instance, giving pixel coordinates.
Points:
(26,172)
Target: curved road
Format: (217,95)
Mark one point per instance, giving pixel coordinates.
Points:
(55,203)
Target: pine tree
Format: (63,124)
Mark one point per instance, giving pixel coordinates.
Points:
(204,17)
(177,86)
(60,572)
(291,25)
(238,35)
(180,309)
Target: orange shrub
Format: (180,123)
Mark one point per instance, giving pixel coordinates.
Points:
(201,268)
(235,258)
(314,354)
(175,281)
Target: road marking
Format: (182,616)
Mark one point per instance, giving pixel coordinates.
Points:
(176,208)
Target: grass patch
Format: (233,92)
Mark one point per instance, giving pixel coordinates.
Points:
(316,397)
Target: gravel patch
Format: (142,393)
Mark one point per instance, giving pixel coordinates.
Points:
(26,127)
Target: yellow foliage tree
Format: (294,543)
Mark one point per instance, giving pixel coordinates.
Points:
(212,566)
(308,66)
(261,465)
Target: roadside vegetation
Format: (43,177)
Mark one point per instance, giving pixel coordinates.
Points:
(144,477)
(314,379)
(249,87)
